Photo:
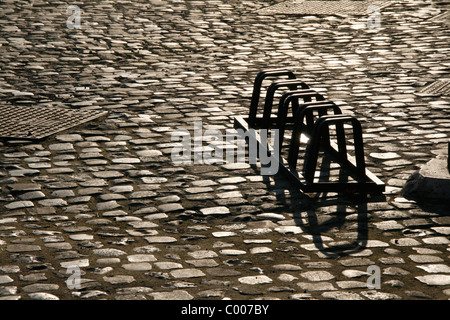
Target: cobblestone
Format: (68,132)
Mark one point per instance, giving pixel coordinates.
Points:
(105,198)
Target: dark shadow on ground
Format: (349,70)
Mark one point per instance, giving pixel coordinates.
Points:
(306,209)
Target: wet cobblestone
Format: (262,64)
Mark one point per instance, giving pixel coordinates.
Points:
(106,197)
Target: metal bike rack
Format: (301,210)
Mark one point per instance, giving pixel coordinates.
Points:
(317,132)
(306,114)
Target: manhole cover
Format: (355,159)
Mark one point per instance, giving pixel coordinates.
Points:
(330,7)
(439,87)
(34,123)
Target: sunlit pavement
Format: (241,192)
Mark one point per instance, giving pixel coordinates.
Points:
(100,211)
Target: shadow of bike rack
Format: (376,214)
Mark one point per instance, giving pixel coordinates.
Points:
(303,124)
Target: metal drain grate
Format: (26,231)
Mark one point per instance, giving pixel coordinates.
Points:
(439,87)
(330,7)
(34,123)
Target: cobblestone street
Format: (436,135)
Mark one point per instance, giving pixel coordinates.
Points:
(105,197)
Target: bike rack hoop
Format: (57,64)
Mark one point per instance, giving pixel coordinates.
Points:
(292,97)
(258,84)
(321,132)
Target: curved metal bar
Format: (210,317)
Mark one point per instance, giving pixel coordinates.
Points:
(292,97)
(257,89)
